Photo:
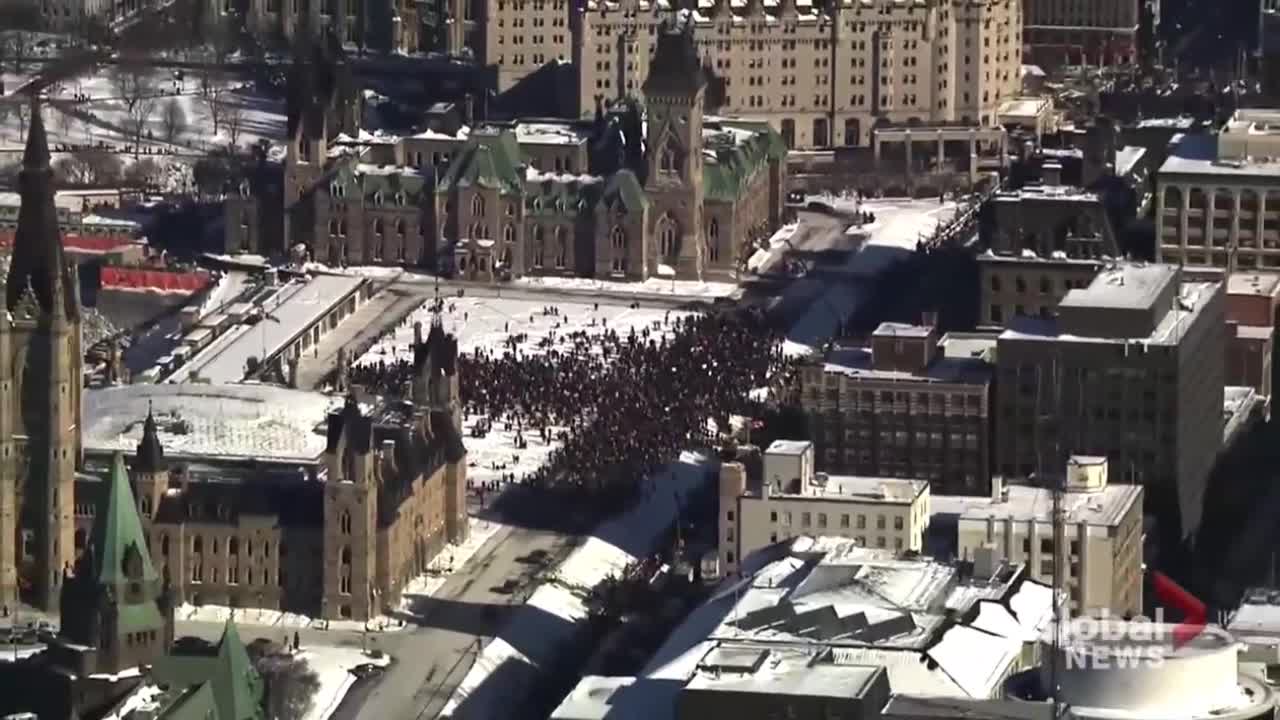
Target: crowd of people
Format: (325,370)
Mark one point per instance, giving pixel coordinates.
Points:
(621,404)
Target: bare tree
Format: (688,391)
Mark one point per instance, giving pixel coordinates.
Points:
(215,96)
(291,684)
(21,18)
(138,117)
(88,167)
(144,171)
(174,119)
(233,116)
(133,81)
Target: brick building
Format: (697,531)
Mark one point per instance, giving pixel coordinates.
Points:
(912,405)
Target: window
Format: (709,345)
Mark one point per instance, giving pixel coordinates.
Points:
(862,522)
(539,249)
(773,516)
(822,520)
(713,240)
(880,522)
(477,206)
(344,522)
(729,516)
(728,557)
(669,237)
(233,547)
(509,234)
(897,523)
(729,535)
(670,159)
(844,521)
(806,519)
(618,242)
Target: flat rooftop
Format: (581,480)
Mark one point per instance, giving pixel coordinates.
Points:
(1197,154)
(779,671)
(1259,613)
(1105,508)
(287,312)
(1031,257)
(902,330)
(889,491)
(788,447)
(1192,299)
(1253,283)
(550,132)
(263,423)
(857,362)
(1124,286)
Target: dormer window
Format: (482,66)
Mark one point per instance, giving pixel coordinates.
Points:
(244,189)
(377,198)
(511,209)
(400,199)
(477,206)
(537,204)
(669,161)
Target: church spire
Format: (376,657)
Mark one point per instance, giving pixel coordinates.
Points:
(150,455)
(37,264)
(120,546)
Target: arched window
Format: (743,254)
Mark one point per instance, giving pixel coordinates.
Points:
(668,237)
(506,257)
(346,554)
(400,227)
(146,507)
(197,545)
(377,227)
(511,209)
(477,206)
(509,234)
(618,241)
(539,246)
(164,544)
(670,159)
(333,227)
(233,547)
(713,240)
(562,247)
(344,522)
(342,228)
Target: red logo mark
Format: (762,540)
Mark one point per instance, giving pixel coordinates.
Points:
(1194,612)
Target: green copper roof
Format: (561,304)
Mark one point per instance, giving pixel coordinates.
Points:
(237,687)
(624,188)
(136,618)
(488,160)
(737,160)
(117,533)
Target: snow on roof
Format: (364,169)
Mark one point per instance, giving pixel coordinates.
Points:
(139,700)
(430,134)
(532,174)
(1106,508)
(63,201)
(293,309)
(216,422)
(612,546)
(549,133)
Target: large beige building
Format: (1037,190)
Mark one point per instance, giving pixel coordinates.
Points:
(819,76)
(1218,196)
(1100,546)
(773,499)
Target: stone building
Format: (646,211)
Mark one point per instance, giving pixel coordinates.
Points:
(683,195)
(393,493)
(820,74)
(40,387)
(1218,197)
(378,25)
(1093,32)
(913,405)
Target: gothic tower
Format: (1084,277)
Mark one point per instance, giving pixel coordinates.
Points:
(674,95)
(40,385)
(116,611)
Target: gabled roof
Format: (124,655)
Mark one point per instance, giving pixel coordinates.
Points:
(675,68)
(739,149)
(237,686)
(624,189)
(117,533)
(489,160)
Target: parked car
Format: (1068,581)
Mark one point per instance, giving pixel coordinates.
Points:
(366,670)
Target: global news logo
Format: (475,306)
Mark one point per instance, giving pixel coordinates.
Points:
(1103,642)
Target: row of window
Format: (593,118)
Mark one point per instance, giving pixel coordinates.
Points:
(807,520)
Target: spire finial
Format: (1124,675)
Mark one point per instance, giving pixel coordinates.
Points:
(437,306)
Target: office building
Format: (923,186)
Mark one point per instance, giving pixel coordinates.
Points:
(1086,32)
(787,499)
(1218,196)
(1099,550)
(912,405)
(1130,369)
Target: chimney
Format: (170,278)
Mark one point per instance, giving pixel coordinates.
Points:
(929,319)
(986,561)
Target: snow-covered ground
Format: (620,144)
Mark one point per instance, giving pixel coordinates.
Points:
(902,223)
(88,110)
(547,625)
(332,666)
(652,286)
(485,323)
